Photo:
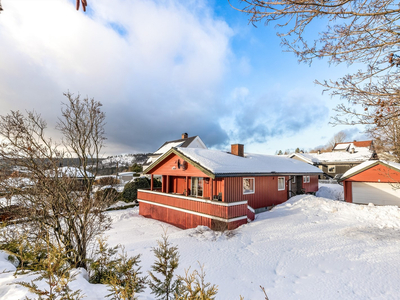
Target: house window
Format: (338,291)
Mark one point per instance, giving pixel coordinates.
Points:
(308,179)
(304,179)
(248,185)
(197,186)
(281,183)
(331,169)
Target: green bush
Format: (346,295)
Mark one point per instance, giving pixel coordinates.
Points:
(29,251)
(136,168)
(130,190)
(120,272)
(157,182)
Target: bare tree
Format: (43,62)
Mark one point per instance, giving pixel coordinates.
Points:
(78,2)
(84,4)
(339,137)
(364,32)
(387,140)
(57,199)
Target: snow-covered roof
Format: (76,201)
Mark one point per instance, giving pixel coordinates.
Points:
(360,154)
(222,163)
(164,148)
(343,146)
(366,165)
(356,144)
(74,172)
(186,142)
(126,173)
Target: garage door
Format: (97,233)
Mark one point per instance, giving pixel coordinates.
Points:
(376,193)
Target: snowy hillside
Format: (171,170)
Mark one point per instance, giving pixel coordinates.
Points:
(125,159)
(307,248)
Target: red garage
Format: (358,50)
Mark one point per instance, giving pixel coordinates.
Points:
(374,182)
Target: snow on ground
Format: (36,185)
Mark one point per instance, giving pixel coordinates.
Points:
(332,191)
(308,248)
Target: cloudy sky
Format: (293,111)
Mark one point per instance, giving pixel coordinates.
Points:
(164,67)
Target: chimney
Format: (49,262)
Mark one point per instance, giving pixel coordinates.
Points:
(237,149)
(184,135)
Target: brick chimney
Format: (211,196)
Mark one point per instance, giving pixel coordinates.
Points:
(237,149)
(184,135)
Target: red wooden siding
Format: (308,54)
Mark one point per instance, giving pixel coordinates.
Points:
(312,186)
(250,213)
(182,219)
(169,166)
(266,191)
(210,207)
(348,191)
(378,173)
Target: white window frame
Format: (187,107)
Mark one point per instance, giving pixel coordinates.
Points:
(330,167)
(254,186)
(304,179)
(308,179)
(195,189)
(284,185)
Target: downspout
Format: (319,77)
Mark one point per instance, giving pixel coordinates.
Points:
(287,183)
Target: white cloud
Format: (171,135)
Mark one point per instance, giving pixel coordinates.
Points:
(158,73)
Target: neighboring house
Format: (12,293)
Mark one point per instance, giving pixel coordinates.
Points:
(343,157)
(221,189)
(184,142)
(126,176)
(373,181)
(77,174)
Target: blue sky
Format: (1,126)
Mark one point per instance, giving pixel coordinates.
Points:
(162,68)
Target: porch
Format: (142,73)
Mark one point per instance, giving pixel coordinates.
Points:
(191,186)
(189,211)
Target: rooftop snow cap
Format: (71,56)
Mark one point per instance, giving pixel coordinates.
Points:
(237,149)
(184,135)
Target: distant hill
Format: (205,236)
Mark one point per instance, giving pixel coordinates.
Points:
(125,160)
(108,166)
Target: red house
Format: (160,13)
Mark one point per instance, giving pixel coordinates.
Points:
(221,189)
(374,182)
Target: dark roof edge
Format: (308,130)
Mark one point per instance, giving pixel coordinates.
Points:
(266,174)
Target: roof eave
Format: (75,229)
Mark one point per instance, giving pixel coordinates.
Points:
(378,162)
(219,175)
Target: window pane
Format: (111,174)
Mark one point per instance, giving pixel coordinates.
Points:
(248,185)
(281,183)
(200,187)
(197,186)
(194,186)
